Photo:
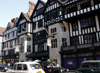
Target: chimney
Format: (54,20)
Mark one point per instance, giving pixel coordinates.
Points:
(31,7)
(13,20)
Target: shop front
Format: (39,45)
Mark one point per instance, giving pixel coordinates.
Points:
(72,60)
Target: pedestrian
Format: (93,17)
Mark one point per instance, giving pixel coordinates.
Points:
(8,64)
(58,65)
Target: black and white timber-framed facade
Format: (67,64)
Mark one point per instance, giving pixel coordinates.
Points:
(80,21)
(74,25)
(40,48)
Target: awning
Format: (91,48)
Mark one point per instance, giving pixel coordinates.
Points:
(37,54)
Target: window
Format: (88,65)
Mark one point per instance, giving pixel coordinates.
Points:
(34,25)
(96,2)
(11,44)
(64,42)
(53,14)
(35,66)
(59,11)
(87,22)
(41,47)
(54,43)
(5,37)
(63,29)
(89,38)
(19,29)
(24,67)
(19,67)
(22,40)
(85,5)
(74,41)
(74,26)
(22,49)
(23,26)
(28,48)
(28,39)
(39,11)
(70,10)
(7,44)
(8,35)
(14,67)
(13,34)
(53,30)
(40,23)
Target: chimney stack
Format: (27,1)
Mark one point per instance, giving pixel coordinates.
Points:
(31,7)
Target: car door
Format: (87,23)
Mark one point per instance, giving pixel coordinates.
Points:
(25,68)
(18,69)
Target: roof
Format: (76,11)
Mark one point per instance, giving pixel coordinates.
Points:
(27,16)
(91,61)
(43,2)
(2,29)
(11,24)
(27,62)
(62,2)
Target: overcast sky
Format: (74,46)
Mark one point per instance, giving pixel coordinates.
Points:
(10,9)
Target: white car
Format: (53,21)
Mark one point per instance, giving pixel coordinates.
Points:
(26,67)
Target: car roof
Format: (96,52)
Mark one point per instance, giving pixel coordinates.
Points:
(27,62)
(91,61)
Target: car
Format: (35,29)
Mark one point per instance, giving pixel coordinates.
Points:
(26,67)
(50,67)
(3,68)
(90,66)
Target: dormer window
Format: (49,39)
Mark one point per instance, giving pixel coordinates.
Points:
(19,29)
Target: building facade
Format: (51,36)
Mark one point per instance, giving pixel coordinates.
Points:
(79,19)
(2,29)
(72,25)
(40,48)
(9,43)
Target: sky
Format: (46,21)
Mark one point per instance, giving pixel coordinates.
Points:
(10,9)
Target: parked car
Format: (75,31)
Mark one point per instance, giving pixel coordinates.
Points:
(50,67)
(3,68)
(26,67)
(90,66)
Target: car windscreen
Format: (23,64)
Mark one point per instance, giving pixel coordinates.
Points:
(35,66)
(89,65)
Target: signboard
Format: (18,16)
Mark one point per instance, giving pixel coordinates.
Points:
(49,41)
(17,48)
(70,63)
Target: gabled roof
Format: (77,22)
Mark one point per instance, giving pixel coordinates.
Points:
(39,1)
(2,29)
(24,16)
(27,17)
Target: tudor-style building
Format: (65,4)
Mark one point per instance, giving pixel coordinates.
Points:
(75,27)
(9,43)
(2,29)
(24,35)
(40,48)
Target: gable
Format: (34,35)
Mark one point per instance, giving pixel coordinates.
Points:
(21,19)
(39,6)
(8,27)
